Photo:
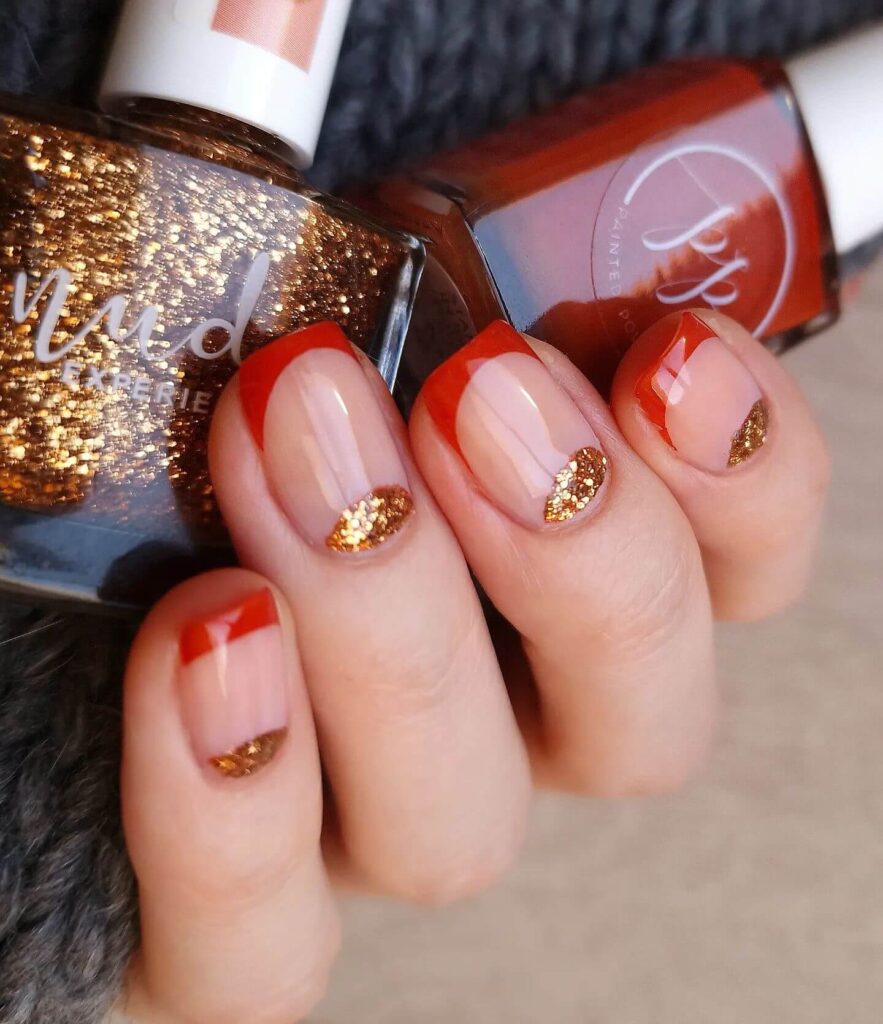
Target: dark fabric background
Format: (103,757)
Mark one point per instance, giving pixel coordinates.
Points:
(415,75)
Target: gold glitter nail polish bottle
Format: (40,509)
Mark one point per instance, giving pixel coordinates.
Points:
(143,255)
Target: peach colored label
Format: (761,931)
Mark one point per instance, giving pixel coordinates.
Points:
(288,28)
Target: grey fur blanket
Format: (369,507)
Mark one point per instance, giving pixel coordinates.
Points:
(415,75)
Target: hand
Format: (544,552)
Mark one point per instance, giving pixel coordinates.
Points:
(605,537)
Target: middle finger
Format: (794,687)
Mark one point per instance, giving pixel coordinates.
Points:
(418,738)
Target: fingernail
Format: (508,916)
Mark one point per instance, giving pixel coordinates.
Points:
(328,453)
(524,439)
(702,397)
(232,686)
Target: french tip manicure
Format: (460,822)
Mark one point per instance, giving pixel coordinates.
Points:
(688,317)
(701,397)
(441,391)
(328,449)
(204,635)
(497,338)
(232,685)
(523,437)
(260,371)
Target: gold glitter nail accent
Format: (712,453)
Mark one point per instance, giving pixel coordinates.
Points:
(171,221)
(575,485)
(372,520)
(750,436)
(251,756)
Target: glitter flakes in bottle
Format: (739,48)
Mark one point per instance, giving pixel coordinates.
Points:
(138,267)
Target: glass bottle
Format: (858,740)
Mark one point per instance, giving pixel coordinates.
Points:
(686,184)
(143,256)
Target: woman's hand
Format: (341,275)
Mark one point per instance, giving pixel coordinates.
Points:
(604,536)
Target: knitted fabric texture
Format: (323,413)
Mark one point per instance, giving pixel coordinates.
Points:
(415,75)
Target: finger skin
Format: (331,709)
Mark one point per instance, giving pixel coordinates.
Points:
(757,523)
(429,773)
(612,607)
(237,921)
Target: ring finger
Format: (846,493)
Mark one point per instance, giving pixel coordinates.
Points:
(585,552)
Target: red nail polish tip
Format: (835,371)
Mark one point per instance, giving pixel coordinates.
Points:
(445,385)
(204,635)
(670,350)
(261,370)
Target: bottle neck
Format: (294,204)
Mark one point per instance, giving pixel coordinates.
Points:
(839,89)
(265,62)
(166,115)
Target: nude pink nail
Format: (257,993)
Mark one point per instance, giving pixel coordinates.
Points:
(701,396)
(232,685)
(521,435)
(327,449)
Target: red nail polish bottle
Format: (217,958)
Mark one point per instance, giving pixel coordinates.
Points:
(687,184)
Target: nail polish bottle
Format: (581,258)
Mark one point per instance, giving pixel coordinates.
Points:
(719,183)
(145,254)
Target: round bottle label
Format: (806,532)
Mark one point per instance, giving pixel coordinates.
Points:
(691,224)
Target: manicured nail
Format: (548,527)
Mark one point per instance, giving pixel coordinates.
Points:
(231,680)
(328,453)
(521,435)
(701,396)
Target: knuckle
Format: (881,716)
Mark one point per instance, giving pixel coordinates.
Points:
(653,583)
(415,682)
(798,506)
(447,887)
(301,991)
(659,602)
(443,881)
(287,999)
(306,995)
(820,469)
(293,1001)
(233,878)
(290,1006)
(618,777)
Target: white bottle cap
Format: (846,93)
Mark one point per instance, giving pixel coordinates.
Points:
(839,90)
(268,63)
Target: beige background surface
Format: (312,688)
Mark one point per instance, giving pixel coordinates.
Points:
(754,898)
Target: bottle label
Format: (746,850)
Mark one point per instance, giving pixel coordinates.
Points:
(695,224)
(287,28)
(43,306)
(687,185)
